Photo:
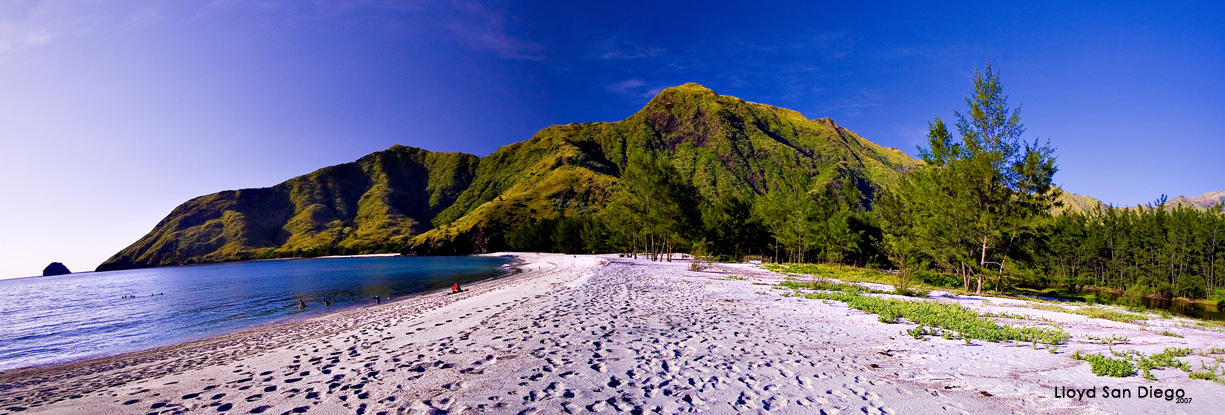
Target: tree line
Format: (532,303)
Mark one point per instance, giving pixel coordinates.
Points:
(1155,250)
(979,209)
(656,213)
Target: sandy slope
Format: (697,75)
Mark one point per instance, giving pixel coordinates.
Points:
(602,334)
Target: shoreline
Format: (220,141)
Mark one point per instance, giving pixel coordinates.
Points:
(349,256)
(601,333)
(314,310)
(25,377)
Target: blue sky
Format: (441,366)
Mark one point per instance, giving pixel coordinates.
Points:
(114,112)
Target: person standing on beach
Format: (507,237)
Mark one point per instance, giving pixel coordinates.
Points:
(376,299)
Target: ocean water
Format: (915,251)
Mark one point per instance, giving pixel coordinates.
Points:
(46,320)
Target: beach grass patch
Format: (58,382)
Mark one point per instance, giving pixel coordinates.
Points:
(1111,340)
(1210,323)
(1127,363)
(1050,307)
(1012,316)
(951,321)
(841,272)
(1102,313)
(828,286)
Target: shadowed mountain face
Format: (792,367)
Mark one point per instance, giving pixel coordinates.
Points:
(410,200)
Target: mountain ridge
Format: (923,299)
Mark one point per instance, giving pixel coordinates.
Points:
(1204,201)
(414,201)
(1078,203)
(724,145)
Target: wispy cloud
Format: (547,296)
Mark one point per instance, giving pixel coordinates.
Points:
(21,35)
(484,29)
(145,17)
(913,137)
(849,103)
(37,37)
(625,87)
(617,47)
(471,24)
(635,88)
(920,51)
(830,46)
(652,92)
(635,53)
(33,24)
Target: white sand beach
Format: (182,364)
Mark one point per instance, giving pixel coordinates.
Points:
(604,334)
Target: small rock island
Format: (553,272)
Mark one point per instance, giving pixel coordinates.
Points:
(55,268)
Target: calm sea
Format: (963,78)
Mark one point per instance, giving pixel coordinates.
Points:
(47,320)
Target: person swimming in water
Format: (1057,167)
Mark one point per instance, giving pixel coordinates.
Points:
(327,303)
(301,304)
(377,299)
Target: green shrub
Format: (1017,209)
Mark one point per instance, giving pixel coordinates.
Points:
(1106,366)
(937,279)
(911,292)
(1162,360)
(1218,296)
(1203,375)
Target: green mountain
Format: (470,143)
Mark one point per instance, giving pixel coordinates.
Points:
(414,201)
(375,204)
(723,145)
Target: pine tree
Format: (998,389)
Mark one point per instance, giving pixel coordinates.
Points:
(976,198)
(653,208)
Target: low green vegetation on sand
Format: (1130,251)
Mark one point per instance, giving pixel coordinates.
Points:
(919,282)
(1106,314)
(829,286)
(956,322)
(950,321)
(1106,366)
(1125,364)
(929,280)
